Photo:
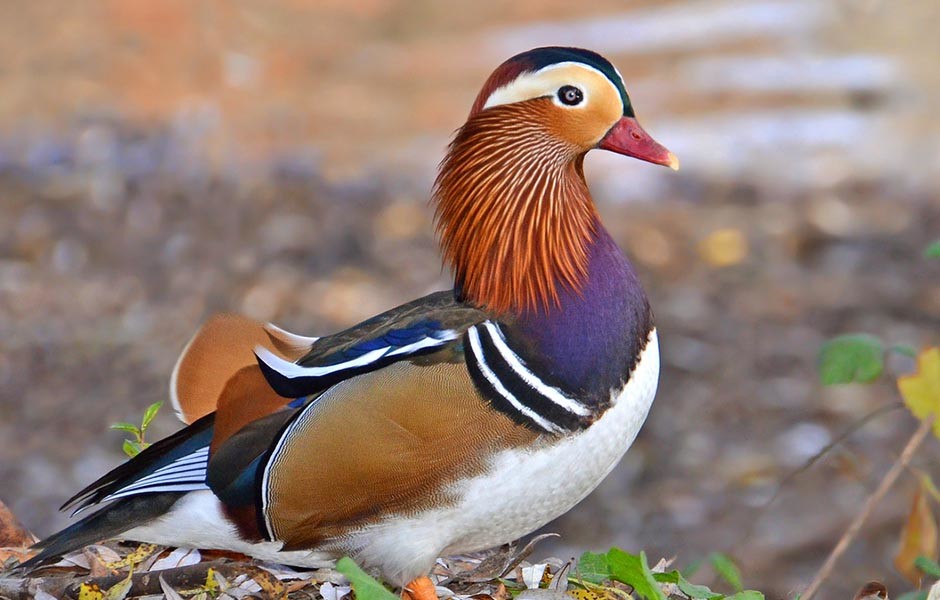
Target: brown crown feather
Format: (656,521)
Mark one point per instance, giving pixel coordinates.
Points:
(513,211)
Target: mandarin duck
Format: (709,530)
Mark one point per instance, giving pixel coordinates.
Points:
(453,423)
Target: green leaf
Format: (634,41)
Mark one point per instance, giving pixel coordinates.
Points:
(365,586)
(131,448)
(747,595)
(128,427)
(921,595)
(149,414)
(933,249)
(634,571)
(929,567)
(691,590)
(692,568)
(852,358)
(593,567)
(667,577)
(697,591)
(726,569)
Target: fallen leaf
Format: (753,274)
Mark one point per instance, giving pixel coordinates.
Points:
(934,593)
(12,534)
(136,557)
(532,575)
(538,594)
(168,591)
(90,591)
(918,538)
(77,558)
(584,594)
(98,559)
(179,557)
(20,554)
(120,589)
(269,584)
(921,390)
(333,592)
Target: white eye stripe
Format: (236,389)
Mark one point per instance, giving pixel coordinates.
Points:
(545,83)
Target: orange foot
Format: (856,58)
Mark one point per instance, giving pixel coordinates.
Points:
(420,589)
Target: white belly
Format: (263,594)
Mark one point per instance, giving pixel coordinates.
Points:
(197,521)
(524,490)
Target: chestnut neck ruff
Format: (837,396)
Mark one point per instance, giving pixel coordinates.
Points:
(514,214)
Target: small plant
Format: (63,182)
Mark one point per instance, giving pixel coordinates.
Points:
(598,576)
(859,358)
(136,445)
(596,571)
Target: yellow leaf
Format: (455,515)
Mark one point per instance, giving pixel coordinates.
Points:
(89,592)
(120,589)
(724,247)
(921,390)
(582,594)
(918,538)
(212,584)
(143,552)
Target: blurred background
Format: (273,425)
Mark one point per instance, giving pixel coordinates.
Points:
(163,161)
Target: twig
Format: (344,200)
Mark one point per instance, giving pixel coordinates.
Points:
(809,463)
(849,431)
(886,482)
(142,584)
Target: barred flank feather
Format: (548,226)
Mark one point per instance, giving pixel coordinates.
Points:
(513,211)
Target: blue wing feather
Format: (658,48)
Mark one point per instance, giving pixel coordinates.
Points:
(293,380)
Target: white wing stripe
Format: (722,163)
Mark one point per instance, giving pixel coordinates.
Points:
(192,473)
(185,473)
(477,348)
(292,370)
(173,487)
(531,379)
(191,477)
(428,342)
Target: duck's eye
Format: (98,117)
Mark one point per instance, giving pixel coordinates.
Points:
(570,95)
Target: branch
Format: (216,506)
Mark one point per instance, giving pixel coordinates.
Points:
(142,584)
(886,482)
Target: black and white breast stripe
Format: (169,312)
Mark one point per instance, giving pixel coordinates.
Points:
(514,389)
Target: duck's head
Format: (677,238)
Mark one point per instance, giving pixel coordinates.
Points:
(514,214)
(578,95)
